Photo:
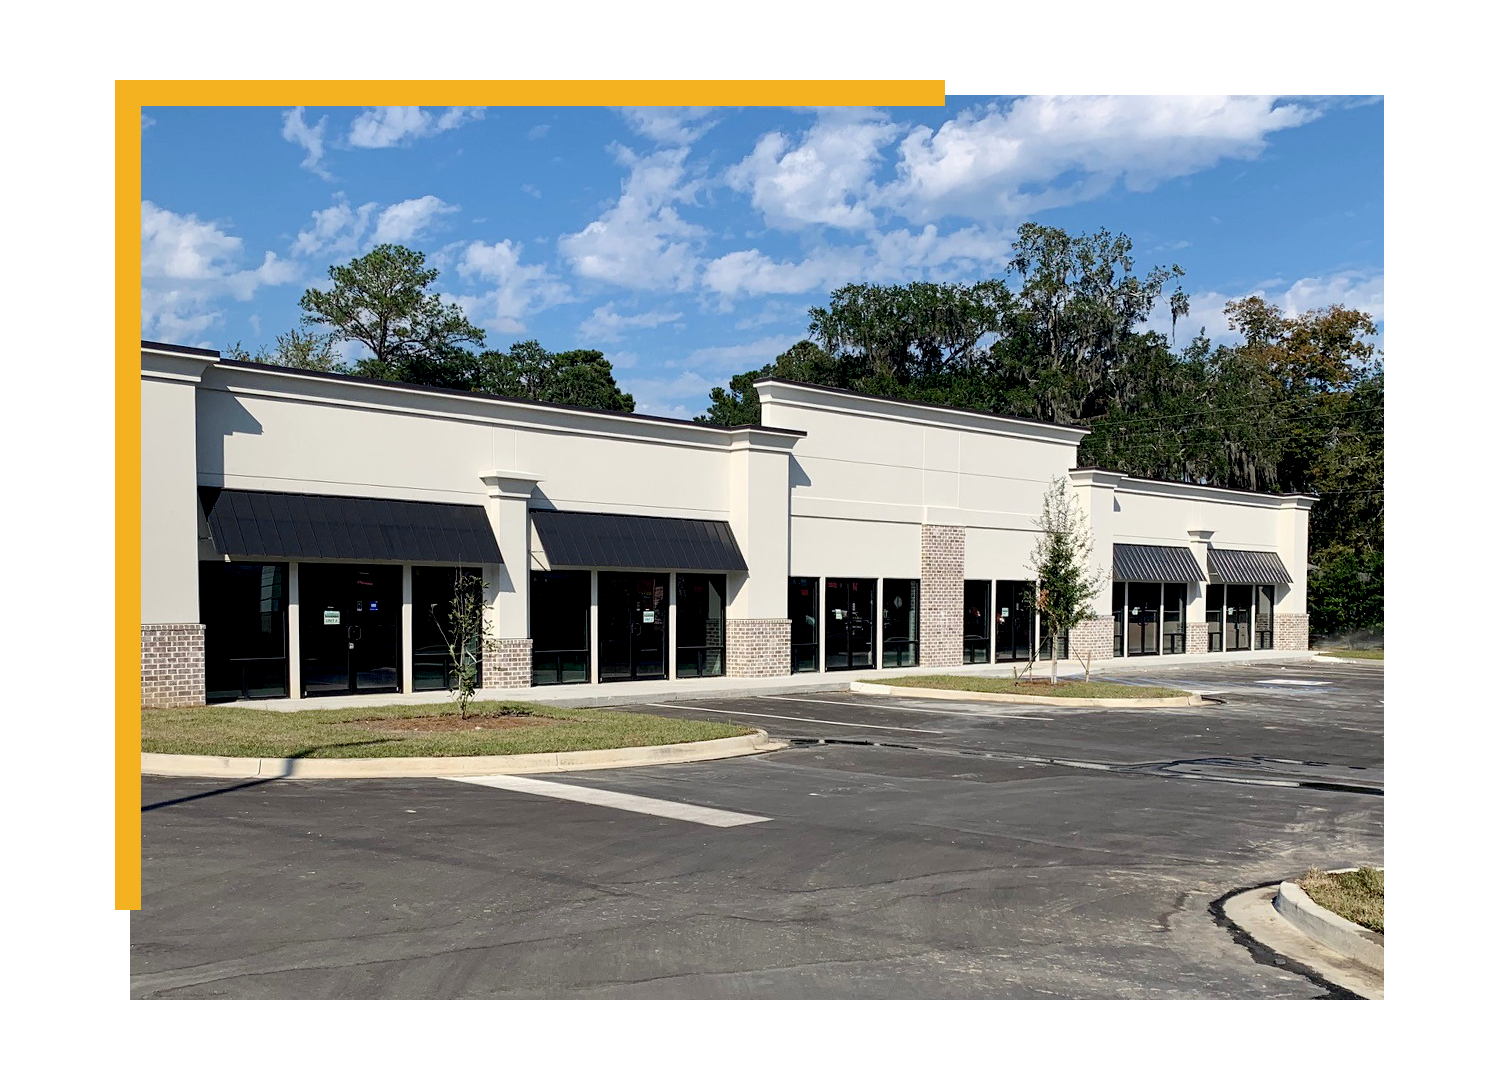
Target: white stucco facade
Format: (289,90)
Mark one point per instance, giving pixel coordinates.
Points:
(831,486)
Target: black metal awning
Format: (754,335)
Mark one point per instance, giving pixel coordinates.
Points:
(633,542)
(1229,567)
(1151,562)
(271,524)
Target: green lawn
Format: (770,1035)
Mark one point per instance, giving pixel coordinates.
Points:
(492,727)
(1355,654)
(1063,688)
(1358,896)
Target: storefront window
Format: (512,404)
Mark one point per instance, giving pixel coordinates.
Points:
(802,608)
(700,625)
(976,622)
(243,609)
(900,622)
(433,589)
(559,627)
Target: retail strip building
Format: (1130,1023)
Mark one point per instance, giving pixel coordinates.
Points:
(301,533)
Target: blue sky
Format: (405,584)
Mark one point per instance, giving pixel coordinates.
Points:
(688,244)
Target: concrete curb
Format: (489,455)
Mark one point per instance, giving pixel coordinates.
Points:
(1338,933)
(246,768)
(888,690)
(1319,658)
(1252,912)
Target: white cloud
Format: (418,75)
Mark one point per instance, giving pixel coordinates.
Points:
(640,242)
(337,230)
(294,129)
(516,289)
(532,190)
(188,267)
(607,324)
(1051,151)
(392,125)
(539,132)
(1360,289)
(682,390)
(898,255)
(671,126)
(405,221)
(825,178)
(147,121)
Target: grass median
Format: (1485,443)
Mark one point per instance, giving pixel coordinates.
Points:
(492,727)
(1358,895)
(1063,688)
(1355,654)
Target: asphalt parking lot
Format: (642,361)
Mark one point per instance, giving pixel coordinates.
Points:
(943,851)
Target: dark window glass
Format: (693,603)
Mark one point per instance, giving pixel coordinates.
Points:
(802,608)
(849,613)
(900,622)
(632,626)
(976,622)
(1237,603)
(559,626)
(351,627)
(1014,617)
(433,589)
(1143,601)
(1265,612)
(1215,617)
(243,609)
(1174,619)
(1117,606)
(700,625)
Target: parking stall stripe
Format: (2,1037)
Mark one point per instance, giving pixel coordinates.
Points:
(799,719)
(615,800)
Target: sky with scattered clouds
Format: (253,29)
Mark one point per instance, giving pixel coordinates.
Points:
(687,244)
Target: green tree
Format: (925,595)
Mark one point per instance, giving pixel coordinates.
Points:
(581,377)
(293,349)
(739,404)
(383,301)
(463,628)
(1062,566)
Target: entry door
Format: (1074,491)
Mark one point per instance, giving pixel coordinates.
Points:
(351,628)
(849,613)
(632,626)
(1142,619)
(1237,601)
(1013,618)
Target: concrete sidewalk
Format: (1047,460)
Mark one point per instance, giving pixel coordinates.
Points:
(591,695)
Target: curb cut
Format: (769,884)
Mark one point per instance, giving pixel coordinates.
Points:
(889,690)
(245,768)
(1338,933)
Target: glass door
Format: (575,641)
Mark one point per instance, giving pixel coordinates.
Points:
(1174,619)
(1117,607)
(632,626)
(1013,619)
(1144,603)
(351,628)
(976,622)
(802,609)
(1237,601)
(849,609)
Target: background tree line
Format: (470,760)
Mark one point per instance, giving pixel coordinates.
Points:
(1295,404)
(383,304)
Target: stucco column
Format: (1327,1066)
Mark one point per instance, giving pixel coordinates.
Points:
(757,632)
(408,664)
(1290,628)
(293,631)
(1095,490)
(506,652)
(1196,630)
(172,637)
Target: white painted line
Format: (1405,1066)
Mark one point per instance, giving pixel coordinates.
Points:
(856,704)
(1291,682)
(615,800)
(797,719)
